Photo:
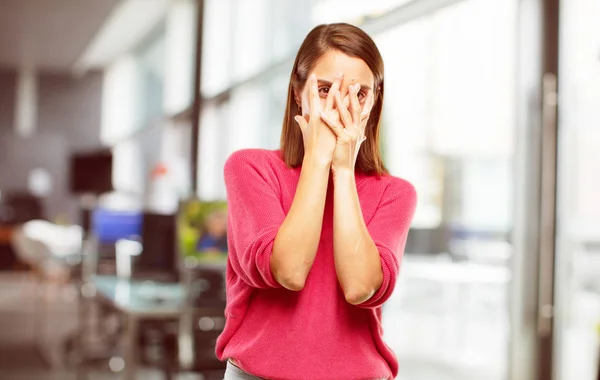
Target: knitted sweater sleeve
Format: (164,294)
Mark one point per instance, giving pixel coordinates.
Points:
(255,215)
(389,229)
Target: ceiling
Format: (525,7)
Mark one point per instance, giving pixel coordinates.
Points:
(49,34)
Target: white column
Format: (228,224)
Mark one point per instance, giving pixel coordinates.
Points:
(26,102)
(180,36)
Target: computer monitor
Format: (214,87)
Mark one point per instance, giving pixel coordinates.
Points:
(91,173)
(159,257)
(20,207)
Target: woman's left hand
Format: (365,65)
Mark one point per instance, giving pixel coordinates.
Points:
(349,127)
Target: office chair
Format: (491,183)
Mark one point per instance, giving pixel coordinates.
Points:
(192,349)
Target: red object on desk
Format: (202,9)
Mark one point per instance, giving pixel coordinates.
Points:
(6,233)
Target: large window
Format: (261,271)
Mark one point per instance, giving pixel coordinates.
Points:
(120,101)
(146,91)
(447,127)
(245,72)
(243,39)
(250,116)
(180,56)
(352,11)
(151,58)
(435,74)
(437,69)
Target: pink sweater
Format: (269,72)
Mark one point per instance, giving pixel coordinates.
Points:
(313,334)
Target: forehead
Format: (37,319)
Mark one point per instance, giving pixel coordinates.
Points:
(355,70)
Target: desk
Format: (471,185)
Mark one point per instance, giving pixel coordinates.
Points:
(459,273)
(459,299)
(142,298)
(136,300)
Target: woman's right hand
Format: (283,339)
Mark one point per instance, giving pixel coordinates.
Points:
(319,140)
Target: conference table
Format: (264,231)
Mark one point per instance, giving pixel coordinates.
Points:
(138,300)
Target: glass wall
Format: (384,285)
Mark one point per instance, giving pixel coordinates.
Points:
(448,127)
(151,59)
(578,221)
(146,92)
(245,72)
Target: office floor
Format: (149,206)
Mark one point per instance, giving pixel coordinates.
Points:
(439,331)
(413,335)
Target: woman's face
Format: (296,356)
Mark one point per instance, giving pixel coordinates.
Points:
(333,63)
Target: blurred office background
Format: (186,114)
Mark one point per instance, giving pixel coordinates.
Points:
(491,110)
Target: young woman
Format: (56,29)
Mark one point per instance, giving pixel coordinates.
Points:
(316,229)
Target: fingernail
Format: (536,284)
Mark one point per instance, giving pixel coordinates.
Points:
(297,119)
(340,75)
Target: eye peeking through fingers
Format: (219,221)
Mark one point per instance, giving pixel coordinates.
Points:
(323,91)
(361,96)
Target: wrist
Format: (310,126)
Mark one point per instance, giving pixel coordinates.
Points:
(342,172)
(317,159)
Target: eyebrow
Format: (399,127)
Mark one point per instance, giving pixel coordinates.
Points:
(328,83)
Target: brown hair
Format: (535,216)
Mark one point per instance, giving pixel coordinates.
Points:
(353,42)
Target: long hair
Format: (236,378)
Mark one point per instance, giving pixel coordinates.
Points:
(353,42)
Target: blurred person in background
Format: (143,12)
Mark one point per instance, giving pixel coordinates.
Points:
(214,234)
(316,229)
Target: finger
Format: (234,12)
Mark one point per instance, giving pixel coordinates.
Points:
(302,123)
(335,127)
(354,103)
(343,111)
(368,106)
(357,151)
(315,104)
(346,101)
(335,87)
